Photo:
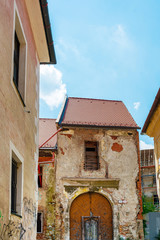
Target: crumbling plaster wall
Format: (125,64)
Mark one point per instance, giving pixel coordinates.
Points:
(118,159)
(46,196)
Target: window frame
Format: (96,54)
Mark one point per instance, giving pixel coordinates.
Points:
(18,159)
(20,84)
(91,164)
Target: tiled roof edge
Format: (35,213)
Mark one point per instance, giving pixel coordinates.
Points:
(131,116)
(98,126)
(97,99)
(61,114)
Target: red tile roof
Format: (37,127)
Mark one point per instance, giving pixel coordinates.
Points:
(152,111)
(47,127)
(96,112)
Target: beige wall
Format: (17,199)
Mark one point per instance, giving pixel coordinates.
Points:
(18,127)
(119,157)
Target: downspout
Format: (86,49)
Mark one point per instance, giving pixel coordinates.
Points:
(50,138)
(40,177)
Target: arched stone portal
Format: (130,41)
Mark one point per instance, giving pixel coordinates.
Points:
(91,218)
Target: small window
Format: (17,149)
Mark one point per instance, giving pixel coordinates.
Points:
(16,183)
(39,222)
(154,179)
(14,187)
(91,156)
(40,171)
(156,200)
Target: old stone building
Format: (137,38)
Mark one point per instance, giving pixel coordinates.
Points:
(148,175)
(152,129)
(26,41)
(46,179)
(98,184)
(151,212)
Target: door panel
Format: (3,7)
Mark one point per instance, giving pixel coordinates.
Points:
(92,206)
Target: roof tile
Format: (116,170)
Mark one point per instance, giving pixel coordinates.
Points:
(47,127)
(97,112)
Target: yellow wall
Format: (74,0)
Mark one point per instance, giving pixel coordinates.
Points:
(153,130)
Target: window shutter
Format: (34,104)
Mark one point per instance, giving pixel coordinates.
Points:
(91,156)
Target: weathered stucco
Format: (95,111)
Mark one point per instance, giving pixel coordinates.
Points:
(18,125)
(118,156)
(153,130)
(46,196)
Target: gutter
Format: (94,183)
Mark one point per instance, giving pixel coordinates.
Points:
(48,33)
(97,126)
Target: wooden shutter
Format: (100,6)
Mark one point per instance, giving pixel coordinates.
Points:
(91,156)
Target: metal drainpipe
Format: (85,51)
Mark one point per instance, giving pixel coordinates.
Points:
(50,138)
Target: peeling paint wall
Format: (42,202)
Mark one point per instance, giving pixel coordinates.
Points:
(119,170)
(46,196)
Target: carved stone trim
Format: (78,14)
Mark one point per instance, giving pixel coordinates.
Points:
(89,182)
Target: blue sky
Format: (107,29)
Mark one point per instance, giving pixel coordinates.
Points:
(107,49)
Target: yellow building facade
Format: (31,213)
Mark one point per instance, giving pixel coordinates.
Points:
(152,129)
(26,41)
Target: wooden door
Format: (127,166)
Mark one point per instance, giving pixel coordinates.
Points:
(91,218)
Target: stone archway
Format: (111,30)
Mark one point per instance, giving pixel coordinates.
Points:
(91,218)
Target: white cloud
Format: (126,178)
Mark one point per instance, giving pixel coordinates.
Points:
(136,105)
(144,145)
(120,37)
(67,48)
(52,89)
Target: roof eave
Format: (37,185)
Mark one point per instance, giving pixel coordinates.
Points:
(48,148)
(96,126)
(152,110)
(48,33)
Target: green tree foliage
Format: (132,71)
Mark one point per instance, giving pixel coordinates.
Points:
(148,205)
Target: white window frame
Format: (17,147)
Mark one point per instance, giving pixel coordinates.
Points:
(14,154)
(18,28)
